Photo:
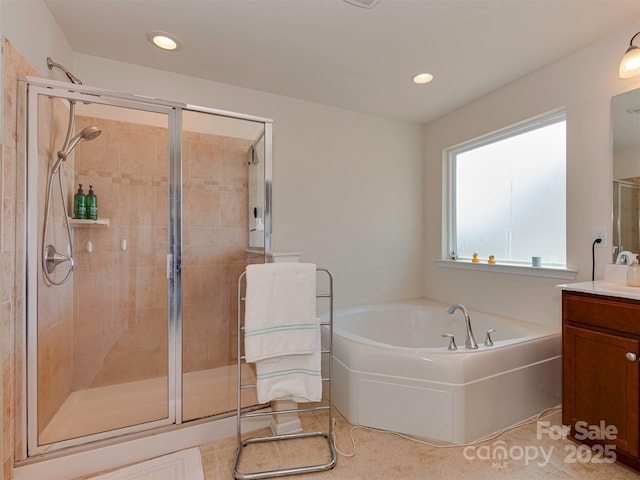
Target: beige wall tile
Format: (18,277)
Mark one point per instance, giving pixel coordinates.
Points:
(137,154)
(205,163)
(234,207)
(203,247)
(204,208)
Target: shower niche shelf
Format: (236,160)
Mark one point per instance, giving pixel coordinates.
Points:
(75,222)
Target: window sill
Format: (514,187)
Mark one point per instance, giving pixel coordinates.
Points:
(526,270)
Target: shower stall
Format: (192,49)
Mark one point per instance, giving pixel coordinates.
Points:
(130,317)
(626,216)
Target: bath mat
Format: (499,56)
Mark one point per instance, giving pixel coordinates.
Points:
(184,465)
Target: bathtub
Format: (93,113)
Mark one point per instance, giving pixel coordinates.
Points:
(392,370)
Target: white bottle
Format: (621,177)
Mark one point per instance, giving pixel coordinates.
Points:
(633,273)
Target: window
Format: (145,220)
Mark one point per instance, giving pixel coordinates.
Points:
(506,194)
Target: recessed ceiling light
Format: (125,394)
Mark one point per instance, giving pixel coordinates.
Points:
(164,40)
(363,3)
(421,78)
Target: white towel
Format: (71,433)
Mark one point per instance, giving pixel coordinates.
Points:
(280,310)
(294,377)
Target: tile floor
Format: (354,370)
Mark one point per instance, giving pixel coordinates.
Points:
(384,456)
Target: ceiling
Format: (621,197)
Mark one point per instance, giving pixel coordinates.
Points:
(335,53)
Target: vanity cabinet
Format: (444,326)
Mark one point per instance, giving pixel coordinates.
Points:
(601,372)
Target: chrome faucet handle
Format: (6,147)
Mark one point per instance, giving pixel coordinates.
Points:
(452,342)
(487,341)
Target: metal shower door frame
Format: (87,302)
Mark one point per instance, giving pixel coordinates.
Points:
(35,88)
(38,86)
(617,216)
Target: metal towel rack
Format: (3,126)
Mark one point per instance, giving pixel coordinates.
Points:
(325,404)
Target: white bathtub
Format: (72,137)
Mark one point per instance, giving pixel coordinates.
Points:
(392,370)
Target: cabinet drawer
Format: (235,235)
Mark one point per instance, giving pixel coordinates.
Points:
(619,314)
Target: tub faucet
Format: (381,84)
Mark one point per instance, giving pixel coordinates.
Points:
(470,341)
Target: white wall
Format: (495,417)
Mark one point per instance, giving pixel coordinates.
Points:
(347,186)
(347,189)
(31,28)
(583,82)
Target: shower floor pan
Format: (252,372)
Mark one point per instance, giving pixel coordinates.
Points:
(100,409)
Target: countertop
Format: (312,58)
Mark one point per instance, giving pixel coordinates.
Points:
(604,287)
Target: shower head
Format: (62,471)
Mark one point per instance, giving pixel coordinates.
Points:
(72,78)
(90,133)
(87,135)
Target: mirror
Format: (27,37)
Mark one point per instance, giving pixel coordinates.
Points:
(625,109)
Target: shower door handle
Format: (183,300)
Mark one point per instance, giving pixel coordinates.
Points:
(170,265)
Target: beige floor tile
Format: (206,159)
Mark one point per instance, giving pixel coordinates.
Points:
(559,475)
(594,471)
(209,465)
(259,457)
(224,465)
(307,418)
(384,456)
(224,443)
(304,452)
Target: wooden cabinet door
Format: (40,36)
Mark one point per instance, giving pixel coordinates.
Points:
(601,384)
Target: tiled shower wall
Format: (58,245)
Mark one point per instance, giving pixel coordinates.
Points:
(54,356)
(120,311)
(629,215)
(55,302)
(120,307)
(215,242)
(12,290)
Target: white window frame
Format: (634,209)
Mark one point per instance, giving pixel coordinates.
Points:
(449,200)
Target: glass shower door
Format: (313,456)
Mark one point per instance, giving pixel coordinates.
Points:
(219,164)
(101,361)
(626,210)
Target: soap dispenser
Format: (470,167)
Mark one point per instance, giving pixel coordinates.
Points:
(633,273)
(79,205)
(92,205)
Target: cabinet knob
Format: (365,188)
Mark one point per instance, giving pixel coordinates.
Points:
(632,357)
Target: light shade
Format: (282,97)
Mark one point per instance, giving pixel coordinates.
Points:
(630,63)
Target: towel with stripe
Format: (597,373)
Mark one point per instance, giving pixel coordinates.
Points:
(291,377)
(280,310)
(282,333)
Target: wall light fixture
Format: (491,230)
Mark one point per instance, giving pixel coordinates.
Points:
(630,63)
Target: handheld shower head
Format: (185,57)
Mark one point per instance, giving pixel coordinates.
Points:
(90,133)
(87,135)
(72,78)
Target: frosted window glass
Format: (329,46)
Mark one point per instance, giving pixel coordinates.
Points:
(510,197)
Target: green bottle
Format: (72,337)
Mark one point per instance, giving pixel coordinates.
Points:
(79,205)
(92,205)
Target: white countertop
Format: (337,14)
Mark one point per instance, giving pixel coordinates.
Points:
(614,284)
(604,287)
